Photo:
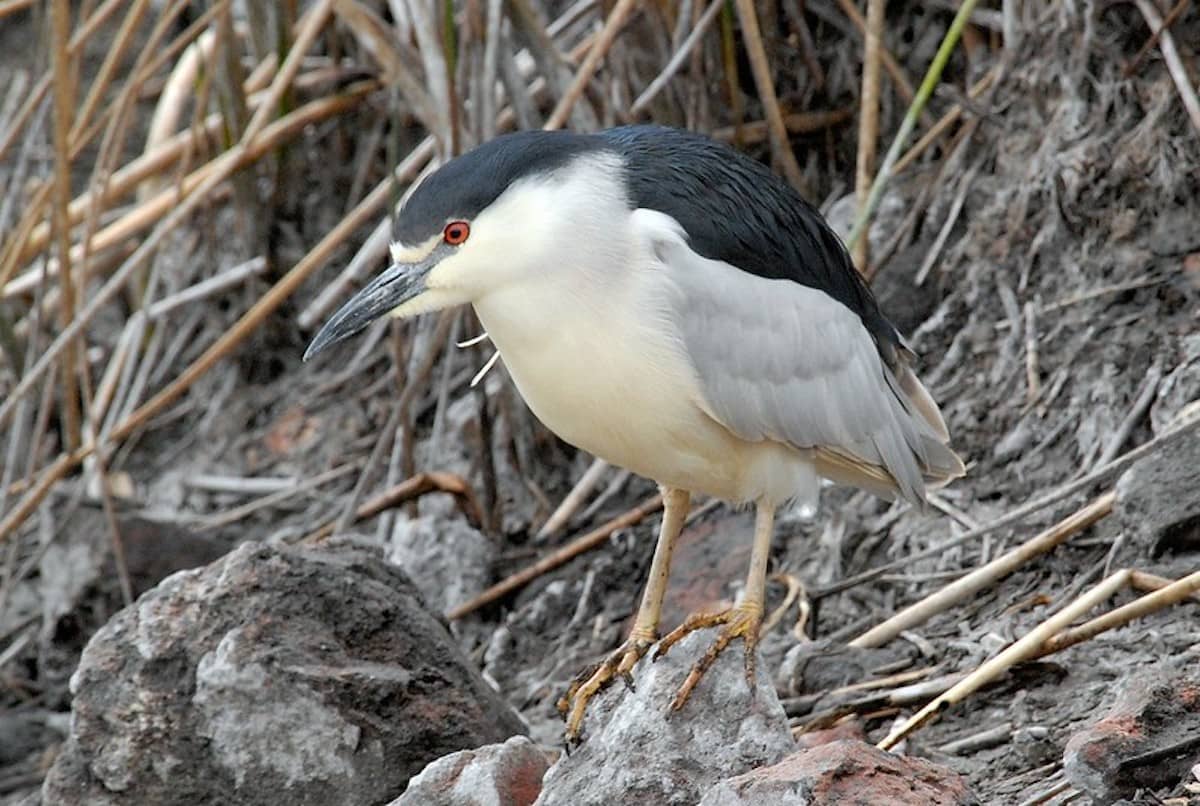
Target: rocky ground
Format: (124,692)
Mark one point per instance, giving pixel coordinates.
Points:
(1047,271)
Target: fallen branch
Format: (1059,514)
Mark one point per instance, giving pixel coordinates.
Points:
(1012,516)
(409,490)
(568,552)
(1166,596)
(1026,648)
(986,575)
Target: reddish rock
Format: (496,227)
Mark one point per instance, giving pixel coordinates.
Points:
(508,774)
(1150,738)
(847,773)
(850,729)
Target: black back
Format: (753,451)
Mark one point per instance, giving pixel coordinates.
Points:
(735,210)
(731,206)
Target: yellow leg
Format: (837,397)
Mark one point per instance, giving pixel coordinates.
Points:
(743,620)
(573,704)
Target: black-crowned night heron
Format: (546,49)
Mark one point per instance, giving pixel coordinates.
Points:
(669,305)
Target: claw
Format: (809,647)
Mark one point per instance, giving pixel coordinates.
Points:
(739,622)
(620,663)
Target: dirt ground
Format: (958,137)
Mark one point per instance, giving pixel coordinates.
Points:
(1057,325)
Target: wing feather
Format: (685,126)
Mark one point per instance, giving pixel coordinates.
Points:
(781,361)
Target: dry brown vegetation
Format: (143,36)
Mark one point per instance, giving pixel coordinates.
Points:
(188,191)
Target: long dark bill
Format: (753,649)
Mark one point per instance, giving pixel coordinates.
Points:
(396,285)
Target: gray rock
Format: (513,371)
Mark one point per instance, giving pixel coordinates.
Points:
(1179,390)
(448,559)
(1158,499)
(271,676)
(635,750)
(508,774)
(844,772)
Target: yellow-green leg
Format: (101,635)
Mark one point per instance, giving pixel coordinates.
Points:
(743,620)
(645,627)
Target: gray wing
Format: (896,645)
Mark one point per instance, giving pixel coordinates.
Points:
(781,361)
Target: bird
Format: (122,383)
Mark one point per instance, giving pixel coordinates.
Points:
(668,304)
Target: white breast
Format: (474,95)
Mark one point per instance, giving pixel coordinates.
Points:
(593,339)
(606,383)
(605,371)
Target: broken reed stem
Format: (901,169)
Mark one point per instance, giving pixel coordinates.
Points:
(1175,65)
(197,187)
(1025,648)
(945,122)
(568,552)
(574,499)
(409,490)
(894,70)
(932,77)
(868,125)
(64,107)
(1177,434)
(1166,596)
(313,22)
(1148,583)
(755,131)
(591,61)
(123,181)
(756,52)
(986,575)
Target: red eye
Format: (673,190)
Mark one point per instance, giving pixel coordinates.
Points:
(456,232)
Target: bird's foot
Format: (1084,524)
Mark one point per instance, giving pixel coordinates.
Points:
(591,682)
(741,621)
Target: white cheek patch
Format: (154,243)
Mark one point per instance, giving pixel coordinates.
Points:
(432,300)
(403,253)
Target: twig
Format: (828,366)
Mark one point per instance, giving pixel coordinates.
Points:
(213,285)
(1137,411)
(1019,513)
(756,131)
(1145,581)
(1171,17)
(583,75)
(64,107)
(757,54)
(676,60)
(960,198)
(986,575)
(980,740)
(1175,65)
(566,553)
(945,122)
(932,76)
(1164,597)
(894,70)
(868,122)
(12,6)
(408,490)
(574,499)
(1022,649)
(1047,794)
